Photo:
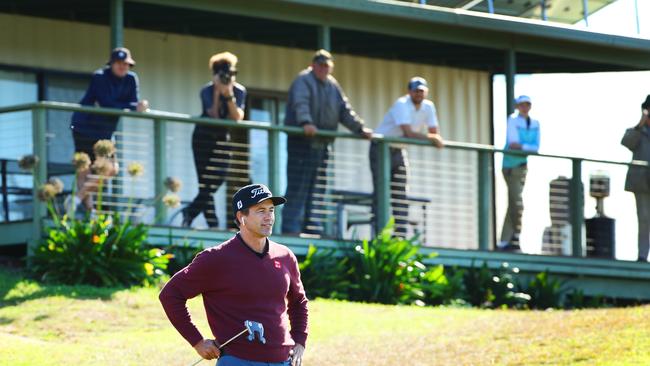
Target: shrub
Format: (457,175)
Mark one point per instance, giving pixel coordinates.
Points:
(181,255)
(544,292)
(324,274)
(389,270)
(102,251)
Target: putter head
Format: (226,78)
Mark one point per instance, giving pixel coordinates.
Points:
(255,327)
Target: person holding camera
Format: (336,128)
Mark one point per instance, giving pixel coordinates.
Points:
(316,102)
(222,98)
(523,133)
(409,115)
(637,181)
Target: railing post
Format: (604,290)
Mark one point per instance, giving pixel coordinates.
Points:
(577,208)
(274,174)
(484,199)
(40,175)
(383,209)
(160,149)
(510,73)
(324,40)
(117,23)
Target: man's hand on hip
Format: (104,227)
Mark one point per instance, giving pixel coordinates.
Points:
(296,355)
(207,349)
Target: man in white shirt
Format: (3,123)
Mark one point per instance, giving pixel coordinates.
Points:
(410,116)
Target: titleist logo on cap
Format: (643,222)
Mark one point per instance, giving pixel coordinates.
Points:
(259,191)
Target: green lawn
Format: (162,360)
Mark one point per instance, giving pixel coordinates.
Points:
(64,325)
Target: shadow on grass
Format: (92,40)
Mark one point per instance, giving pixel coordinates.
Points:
(16,287)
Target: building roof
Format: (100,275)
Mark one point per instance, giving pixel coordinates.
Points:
(386,29)
(562,11)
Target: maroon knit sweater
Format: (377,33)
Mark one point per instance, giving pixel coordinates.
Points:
(239,284)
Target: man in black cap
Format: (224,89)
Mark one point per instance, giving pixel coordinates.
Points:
(247,277)
(316,101)
(113,86)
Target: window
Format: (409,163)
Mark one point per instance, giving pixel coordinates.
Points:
(266,107)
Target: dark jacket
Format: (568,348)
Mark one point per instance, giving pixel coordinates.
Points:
(108,91)
(320,103)
(637,139)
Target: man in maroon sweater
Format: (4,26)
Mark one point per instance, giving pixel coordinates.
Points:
(247,277)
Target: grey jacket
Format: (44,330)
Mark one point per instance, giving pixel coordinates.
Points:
(320,103)
(638,177)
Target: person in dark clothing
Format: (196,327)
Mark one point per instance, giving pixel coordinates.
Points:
(247,277)
(637,181)
(221,98)
(113,86)
(316,101)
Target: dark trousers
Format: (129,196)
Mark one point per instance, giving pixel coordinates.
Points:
(306,186)
(211,159)
(515,180)
(643,216)
(398,183)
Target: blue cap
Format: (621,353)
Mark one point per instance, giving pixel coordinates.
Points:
(523,99)
(418,83)
(253,194)
(121,54)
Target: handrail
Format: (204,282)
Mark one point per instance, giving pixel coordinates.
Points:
(186,118)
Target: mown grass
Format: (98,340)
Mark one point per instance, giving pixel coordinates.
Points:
(78,325)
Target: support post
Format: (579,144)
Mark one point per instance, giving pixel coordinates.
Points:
(39,175)
(117,23)
(491,6)
(324,40)
(484,199)
(382,213)
(585,11)
(577,208)
(510,73)
(274,175)
(160,149)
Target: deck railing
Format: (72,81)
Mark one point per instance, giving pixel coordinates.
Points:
(467,169)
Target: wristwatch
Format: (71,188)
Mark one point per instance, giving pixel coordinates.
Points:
(230,98)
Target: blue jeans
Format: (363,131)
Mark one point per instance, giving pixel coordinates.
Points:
(228,360)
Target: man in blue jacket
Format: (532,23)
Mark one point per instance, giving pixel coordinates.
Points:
(113,86)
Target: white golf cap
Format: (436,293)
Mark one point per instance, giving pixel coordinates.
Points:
(523,99)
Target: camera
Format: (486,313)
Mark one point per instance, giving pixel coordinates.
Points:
(225,72)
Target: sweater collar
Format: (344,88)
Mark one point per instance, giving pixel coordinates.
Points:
(260,255)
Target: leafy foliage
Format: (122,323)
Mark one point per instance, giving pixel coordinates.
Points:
(544,292)
(181,255)
(389,270)
(102,251)
(325,275)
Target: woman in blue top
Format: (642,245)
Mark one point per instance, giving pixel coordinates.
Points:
(522,134)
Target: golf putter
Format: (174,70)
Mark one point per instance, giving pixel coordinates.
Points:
(251,328)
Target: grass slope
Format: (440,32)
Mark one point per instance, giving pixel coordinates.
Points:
(78,325)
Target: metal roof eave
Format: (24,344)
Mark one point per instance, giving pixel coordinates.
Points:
(443,25)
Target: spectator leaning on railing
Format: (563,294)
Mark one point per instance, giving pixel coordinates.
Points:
(637,139)
(113,86)
(222,98)
(406,118)
(316,101)
(522,134)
